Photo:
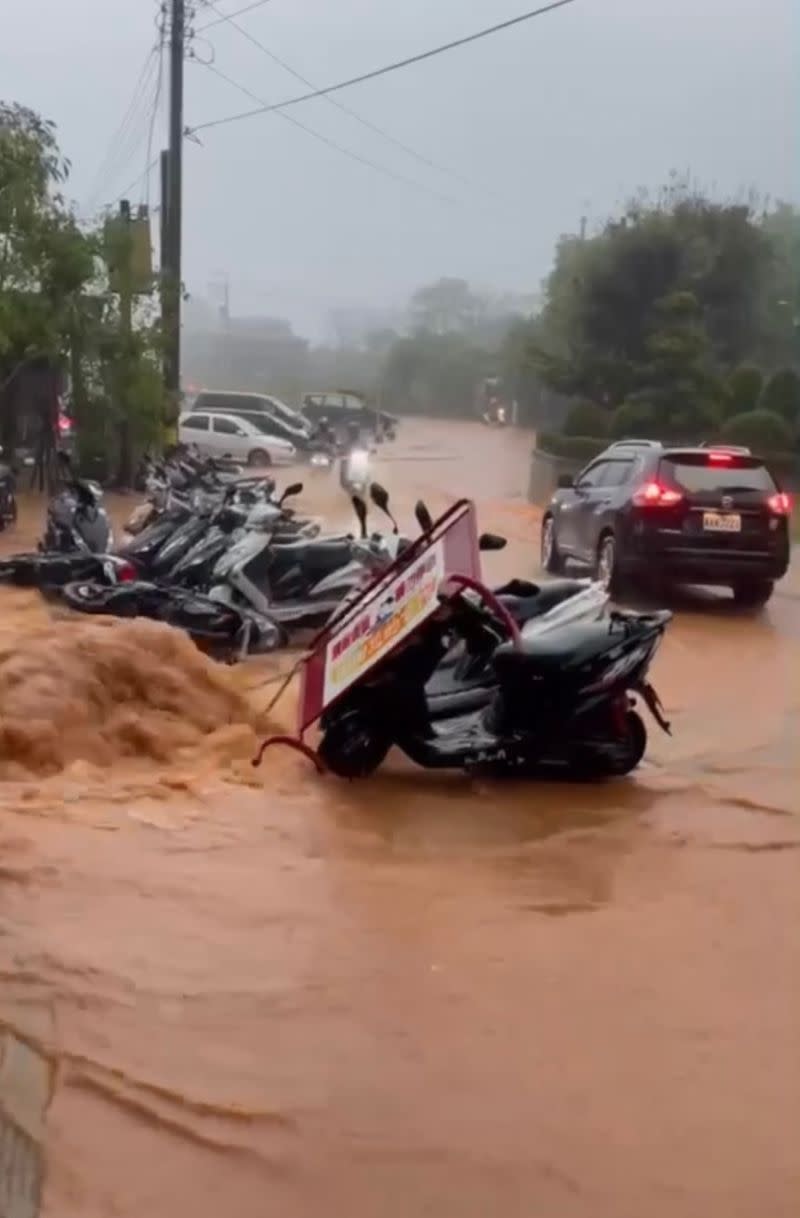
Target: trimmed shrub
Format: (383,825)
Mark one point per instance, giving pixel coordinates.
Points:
(587,419)
(761,430)
(633,421)
(572,448)
(743,391)
(782,395)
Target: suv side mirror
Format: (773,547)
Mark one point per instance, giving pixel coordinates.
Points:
(565,482)
(294,488)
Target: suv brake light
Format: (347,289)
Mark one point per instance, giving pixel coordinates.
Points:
(780,504)
(653,494)
(719,456)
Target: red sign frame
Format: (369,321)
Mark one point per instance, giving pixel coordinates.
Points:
(449,548)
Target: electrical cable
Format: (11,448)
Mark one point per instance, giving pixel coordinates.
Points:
(128,191)
(157,99)
(239,12)
(387,68)
(334,101)
(119,150)
(324,139)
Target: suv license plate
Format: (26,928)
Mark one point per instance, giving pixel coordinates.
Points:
(713,522)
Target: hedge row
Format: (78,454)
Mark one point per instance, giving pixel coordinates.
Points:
(573,448)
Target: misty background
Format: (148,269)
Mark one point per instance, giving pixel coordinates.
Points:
(429,202)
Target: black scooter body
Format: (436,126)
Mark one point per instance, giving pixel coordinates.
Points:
(466,680)
(562,700)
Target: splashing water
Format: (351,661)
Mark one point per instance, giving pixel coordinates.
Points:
(103,690)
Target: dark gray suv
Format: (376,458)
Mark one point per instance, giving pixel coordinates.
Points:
(643,511)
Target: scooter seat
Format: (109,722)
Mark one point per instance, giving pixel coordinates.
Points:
(317,558)
(525,601)
(549,652)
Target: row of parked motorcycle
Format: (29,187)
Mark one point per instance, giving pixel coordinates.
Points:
(220,554)
(226,558)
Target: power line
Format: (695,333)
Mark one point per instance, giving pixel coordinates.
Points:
(239,12)
(119,143)
(365,122)
(392,67)
(129,190)
(323,139)
(156,100)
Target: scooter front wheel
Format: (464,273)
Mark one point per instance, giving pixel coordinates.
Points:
(97,598)
(351,747)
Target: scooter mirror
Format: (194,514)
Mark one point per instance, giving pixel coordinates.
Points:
(294,488)
(491,541)
(424,518)
(360,509)
(379,496)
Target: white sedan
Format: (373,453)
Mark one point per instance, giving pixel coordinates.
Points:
(228,435)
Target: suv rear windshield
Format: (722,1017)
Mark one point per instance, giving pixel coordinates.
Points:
(698,473)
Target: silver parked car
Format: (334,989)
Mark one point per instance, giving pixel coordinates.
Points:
(222,435)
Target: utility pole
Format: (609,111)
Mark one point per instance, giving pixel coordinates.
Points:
(172,231)
(163,230)
(125,273)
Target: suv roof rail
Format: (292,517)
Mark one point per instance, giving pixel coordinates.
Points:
(727,448)
(636,444)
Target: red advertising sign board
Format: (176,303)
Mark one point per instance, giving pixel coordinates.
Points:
(390,609)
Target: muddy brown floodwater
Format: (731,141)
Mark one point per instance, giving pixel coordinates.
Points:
(270,994)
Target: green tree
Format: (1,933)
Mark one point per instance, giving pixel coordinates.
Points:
(782,395)
(603,295)
(587,419)
(56,306)
(781,226)
(446,306)
(44,258)
(435,375)
(743,390)
(676,383)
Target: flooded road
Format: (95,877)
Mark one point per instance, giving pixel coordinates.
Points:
(263,993)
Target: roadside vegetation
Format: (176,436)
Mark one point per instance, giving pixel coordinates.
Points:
(677,319)
(59,319)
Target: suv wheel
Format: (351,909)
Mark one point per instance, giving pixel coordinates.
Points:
(753,593)
(258,458)
(605,570)
(550,557)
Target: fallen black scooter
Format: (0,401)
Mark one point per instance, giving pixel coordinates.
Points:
(564,700)
(465,680)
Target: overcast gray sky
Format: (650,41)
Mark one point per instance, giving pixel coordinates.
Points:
(568,113)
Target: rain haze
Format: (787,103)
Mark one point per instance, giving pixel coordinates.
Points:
(400,641)
(515,136)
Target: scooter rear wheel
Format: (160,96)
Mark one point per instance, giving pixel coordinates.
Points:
(351,747)
(621,757)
